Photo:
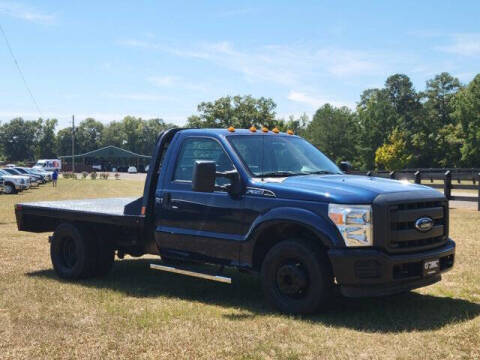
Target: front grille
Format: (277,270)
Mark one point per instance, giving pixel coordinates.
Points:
(403,235)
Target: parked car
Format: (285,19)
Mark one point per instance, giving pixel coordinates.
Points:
(132,170)
(46,174)
(49,164)
(27,171)
(291,216)
(14,183)
(34,180)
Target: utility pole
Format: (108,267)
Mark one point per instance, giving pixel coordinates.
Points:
(73,143)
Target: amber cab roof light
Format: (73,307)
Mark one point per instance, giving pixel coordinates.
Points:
(253,129)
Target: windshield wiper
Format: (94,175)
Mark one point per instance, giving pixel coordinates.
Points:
(321,172)
(279,174)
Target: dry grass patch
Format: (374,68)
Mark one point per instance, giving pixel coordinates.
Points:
(138,313)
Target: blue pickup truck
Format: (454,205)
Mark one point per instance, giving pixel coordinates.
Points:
(261,201)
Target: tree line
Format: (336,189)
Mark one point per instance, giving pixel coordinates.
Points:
(26,140)
(392,127)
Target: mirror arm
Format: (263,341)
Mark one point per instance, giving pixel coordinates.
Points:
(226,174)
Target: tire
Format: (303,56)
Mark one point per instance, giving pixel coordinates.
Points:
(9,189)
(73,252)
(296,277)
(105,256)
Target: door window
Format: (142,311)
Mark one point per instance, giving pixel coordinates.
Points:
(201,149)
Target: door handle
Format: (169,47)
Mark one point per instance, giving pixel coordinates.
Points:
(167,200)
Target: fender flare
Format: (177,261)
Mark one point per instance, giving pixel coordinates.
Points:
(317,224)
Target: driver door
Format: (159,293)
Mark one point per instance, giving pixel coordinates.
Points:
(194,223)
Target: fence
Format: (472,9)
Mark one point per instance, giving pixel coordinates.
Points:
(447,176)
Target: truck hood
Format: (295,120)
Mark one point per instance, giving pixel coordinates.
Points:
(346,189)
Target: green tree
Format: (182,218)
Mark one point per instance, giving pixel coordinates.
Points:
(333,131)
(433,135)
(64,142)
(88,135)
(237,111)
(47,142)
(18,139)
(467,113)
(376,120)
(394,154)
(404,100)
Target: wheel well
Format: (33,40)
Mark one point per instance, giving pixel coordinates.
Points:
(277,232)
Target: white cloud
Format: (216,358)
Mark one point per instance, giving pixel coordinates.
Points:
(176,82)
(137,96)
(315,101)
(463,44)
(280,64)
(163,81)
(24,12)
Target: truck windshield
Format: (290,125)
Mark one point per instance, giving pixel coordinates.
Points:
(271,156)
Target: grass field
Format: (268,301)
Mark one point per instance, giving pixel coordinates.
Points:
(137,313)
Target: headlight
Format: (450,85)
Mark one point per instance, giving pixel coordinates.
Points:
(354,223)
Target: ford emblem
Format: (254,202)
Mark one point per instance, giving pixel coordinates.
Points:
(424,224)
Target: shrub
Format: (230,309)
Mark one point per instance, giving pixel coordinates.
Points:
(93,175)
(117,176)
(84,174)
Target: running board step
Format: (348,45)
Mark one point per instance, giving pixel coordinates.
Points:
(172,269)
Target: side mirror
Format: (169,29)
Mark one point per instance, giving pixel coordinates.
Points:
(345,166)
(204,176)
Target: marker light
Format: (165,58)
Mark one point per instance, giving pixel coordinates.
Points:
(275,130)
(290,132)
(253,129)
(231,129)
(265,129)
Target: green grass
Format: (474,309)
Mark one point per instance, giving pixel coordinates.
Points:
(135,312)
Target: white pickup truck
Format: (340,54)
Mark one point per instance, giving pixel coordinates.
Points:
(14,183)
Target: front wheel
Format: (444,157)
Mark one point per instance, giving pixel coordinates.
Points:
(9,189)
(296,277)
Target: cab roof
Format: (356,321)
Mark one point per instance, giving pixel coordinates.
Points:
(226,132)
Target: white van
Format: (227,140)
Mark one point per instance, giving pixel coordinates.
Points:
(49,164)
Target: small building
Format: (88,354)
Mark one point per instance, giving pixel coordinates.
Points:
(106,159)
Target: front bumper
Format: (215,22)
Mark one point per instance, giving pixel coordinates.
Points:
(371,272)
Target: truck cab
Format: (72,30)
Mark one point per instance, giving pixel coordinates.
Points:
(272,204)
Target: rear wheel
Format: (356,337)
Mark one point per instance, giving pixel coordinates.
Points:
(73,252)
(296,277)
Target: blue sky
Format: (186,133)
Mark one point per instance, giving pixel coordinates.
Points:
(107,59)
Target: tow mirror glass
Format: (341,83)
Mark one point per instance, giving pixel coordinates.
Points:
(204,176)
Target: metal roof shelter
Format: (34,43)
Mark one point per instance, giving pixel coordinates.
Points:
(109,157)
